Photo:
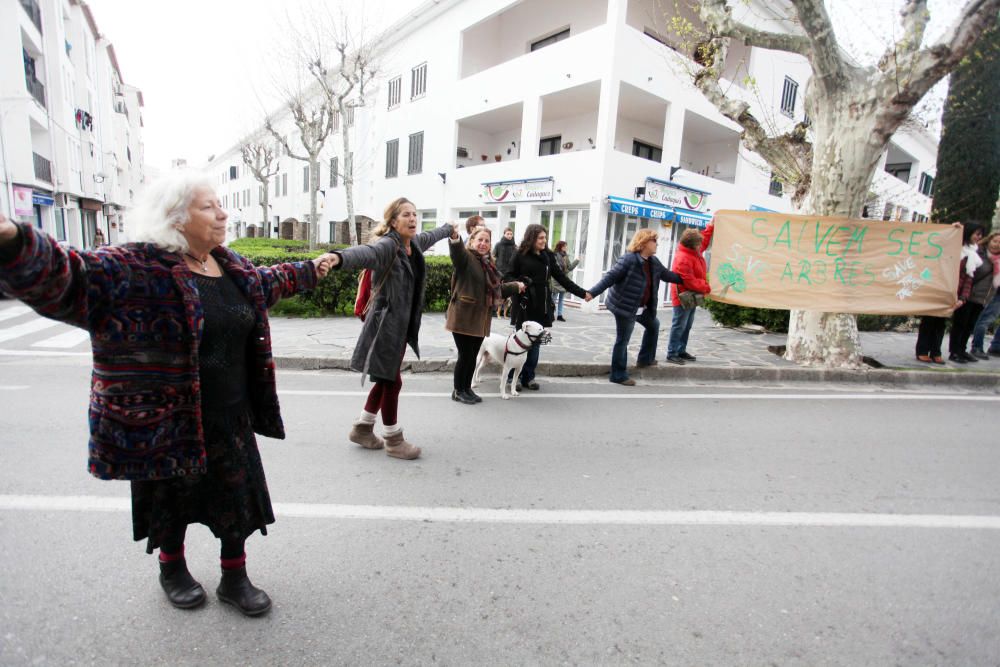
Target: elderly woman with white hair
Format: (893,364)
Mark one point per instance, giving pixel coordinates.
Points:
(183,374)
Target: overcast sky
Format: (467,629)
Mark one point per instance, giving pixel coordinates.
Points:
(199,62)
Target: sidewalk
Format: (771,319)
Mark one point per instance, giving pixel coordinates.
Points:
(581,346)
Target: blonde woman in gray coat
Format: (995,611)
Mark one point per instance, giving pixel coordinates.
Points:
(396,258)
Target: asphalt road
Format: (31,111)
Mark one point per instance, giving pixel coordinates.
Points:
(583,524)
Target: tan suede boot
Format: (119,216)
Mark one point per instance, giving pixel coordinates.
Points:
(396,446)
(364,435)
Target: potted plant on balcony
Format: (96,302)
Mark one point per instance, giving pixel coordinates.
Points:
(497,157)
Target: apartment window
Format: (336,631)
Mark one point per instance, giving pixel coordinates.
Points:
(900,170)
(776,188)
(926,184)
(550,40)
(395,91)
(336,121)
(549,145)
(646,151)
(350,116)
(284,185)
(416,156)
(418,81)
(392,158)
(333,172)
(788,93)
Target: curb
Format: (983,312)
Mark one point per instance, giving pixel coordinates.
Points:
(869,376)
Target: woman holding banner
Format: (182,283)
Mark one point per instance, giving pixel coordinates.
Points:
(930,333)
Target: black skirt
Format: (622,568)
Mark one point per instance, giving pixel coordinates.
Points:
(231,498)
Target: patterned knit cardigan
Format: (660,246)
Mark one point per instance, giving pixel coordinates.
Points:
(141,307)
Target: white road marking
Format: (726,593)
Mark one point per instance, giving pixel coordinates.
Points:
(42,353)
(70,338)
(27,328)
(539,516)
(531,395)
(14,311)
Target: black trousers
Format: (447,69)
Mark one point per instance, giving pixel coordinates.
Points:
(963,321)
(929,335)
(468,350)
(229,548)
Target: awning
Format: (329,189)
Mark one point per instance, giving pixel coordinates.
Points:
(693,218)
(645,209)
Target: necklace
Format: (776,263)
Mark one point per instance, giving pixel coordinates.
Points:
(203,262)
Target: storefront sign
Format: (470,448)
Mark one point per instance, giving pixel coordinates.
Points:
(507,192)
(639,209)
(662,192)
(22,201)
(835,265)
(42,199)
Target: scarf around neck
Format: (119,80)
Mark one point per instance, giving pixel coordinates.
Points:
(970,253)
(493,298)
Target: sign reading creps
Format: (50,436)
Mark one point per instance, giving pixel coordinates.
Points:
(836,265)
(505,192)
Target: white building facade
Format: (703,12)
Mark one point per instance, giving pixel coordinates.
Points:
(579,116)
(72,152)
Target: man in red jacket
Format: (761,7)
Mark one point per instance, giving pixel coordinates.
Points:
(689,262)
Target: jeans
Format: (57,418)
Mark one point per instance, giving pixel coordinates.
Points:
(560,299)
(680,329)
(647,350)
(528,370)
(986,318)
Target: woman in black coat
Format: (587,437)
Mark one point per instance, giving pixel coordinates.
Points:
(534,264)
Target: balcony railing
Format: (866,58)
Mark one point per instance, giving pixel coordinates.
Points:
(36,88)
(34,12)
(43,168)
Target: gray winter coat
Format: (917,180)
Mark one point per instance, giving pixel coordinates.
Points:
(393,320)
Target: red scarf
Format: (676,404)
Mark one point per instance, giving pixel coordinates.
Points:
(493,297)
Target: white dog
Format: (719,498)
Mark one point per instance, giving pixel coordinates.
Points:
(511,352)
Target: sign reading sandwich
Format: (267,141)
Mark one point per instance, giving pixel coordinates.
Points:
(836,265)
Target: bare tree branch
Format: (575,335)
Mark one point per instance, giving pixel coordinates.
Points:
(829,66)
(915,17)
(719,22)
(903,84)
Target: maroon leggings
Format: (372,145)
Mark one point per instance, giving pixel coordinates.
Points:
(384,396)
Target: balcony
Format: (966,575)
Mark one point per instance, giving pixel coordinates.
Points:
(36,88)
(492,136)
(34,12)
(43,168)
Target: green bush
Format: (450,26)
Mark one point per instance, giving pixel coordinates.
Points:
(334,295)
(729,315)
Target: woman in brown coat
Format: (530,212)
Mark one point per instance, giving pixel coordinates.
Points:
(476,292)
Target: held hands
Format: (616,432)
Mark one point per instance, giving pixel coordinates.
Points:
(521,287)
(589,297)
(326,262)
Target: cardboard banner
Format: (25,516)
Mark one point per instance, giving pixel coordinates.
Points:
(835,265)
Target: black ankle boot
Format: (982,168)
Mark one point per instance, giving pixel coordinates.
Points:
(236,589)
(473,395)
(181,588)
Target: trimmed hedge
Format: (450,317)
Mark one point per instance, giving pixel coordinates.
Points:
(334,295)
(729,315)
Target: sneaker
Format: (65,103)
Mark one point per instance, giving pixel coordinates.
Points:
(646,364)
(958,359)
(461,397)
(627,382)
(979,354)
(687,357)
(675,360)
